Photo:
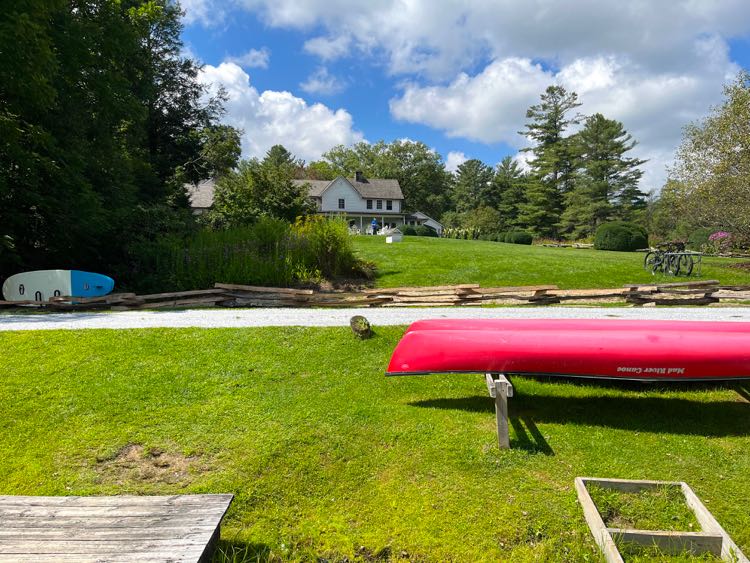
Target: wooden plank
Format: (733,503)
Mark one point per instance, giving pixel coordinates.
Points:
(729,550)
(179,294)
(517,289)
(697,283)
(179,527)
(503,390)
(116,500)
(389,290)
(672,542)
(601,536)
(260,289)
(631,486)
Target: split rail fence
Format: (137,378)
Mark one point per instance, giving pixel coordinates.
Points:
(704,292)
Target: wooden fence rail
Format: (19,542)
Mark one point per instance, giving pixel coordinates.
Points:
(703,292)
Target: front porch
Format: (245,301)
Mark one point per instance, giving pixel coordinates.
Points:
(362,223)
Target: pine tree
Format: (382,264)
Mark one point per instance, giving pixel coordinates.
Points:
(606,183)
(554,160)
(473,178)
(509,188)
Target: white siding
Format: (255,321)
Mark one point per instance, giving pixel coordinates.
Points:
(341,189)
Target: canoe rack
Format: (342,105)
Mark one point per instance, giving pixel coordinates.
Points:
(500,388)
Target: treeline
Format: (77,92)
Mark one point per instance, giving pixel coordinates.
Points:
(102,121)
(575,181)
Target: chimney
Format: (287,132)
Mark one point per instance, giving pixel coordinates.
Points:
(358,176)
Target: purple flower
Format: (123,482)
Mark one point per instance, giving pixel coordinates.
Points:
(719,235)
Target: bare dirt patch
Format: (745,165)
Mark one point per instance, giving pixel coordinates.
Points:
(134,464)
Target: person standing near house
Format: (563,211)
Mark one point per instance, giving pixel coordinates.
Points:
(374,225)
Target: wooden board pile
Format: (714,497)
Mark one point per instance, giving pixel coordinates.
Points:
(704,292)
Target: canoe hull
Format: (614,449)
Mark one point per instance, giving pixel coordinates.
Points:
(609,349)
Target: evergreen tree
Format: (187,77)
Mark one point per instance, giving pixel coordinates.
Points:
(606,182)
(472,182)
(553,163)
(510,190)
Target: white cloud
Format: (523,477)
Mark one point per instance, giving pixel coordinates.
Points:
(328,49)
(208,13)
(254,58)
(653,65)
(271,117)
(490,106)
(454,160)
(322,82)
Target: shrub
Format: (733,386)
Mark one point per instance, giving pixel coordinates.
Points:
(699,238)
(517,237)
(269,253)
(409,230)
(621,236)
(425,231)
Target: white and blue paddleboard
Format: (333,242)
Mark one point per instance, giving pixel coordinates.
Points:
(41,285)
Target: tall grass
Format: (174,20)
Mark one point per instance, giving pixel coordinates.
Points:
(271,252)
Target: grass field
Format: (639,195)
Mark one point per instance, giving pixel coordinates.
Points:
(429,261)
(331,461)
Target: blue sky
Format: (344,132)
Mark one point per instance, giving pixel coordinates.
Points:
(459,75)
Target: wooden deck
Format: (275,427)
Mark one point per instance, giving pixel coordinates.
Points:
(115,528)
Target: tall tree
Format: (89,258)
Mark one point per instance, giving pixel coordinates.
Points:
(99,113)
(473,180)
(554,159)
(510,189)
(260,188)
(712,170)
(607,180)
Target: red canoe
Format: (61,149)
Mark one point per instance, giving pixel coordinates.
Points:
(616,349)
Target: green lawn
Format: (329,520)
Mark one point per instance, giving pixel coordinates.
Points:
(329,459)
(429,261)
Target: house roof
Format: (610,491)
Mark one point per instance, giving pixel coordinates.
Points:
(423,217)
(201,195)
(369,188)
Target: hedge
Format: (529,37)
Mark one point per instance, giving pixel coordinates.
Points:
(620,236)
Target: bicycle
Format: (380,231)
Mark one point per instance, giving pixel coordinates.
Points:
(669,258)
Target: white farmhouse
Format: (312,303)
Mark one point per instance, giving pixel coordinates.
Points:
(367,204)
(362,201)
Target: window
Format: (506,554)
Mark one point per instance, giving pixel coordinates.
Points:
(369,204)
(341,204)
(380,204)
(389,205)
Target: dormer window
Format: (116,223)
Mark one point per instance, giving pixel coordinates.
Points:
(389,205)
(342,204)
(369,204)
(380,204)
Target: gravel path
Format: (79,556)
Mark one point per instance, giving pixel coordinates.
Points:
(211,318)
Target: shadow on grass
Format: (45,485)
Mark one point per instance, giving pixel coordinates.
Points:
(671,415)
(528,437)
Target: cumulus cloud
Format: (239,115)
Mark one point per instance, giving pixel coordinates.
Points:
(454,160)
(271,117)
(490,106)
(254,58)
(322,82)
(328,49)
(208,13)
(653,65)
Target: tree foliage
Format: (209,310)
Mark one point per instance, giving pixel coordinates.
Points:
(260,188)
(606,182)
(419,170)
(711,175)
(101,118)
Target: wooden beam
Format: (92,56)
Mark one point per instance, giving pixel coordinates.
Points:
(672,542)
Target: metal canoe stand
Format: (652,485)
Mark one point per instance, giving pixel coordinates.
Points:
(500,389)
